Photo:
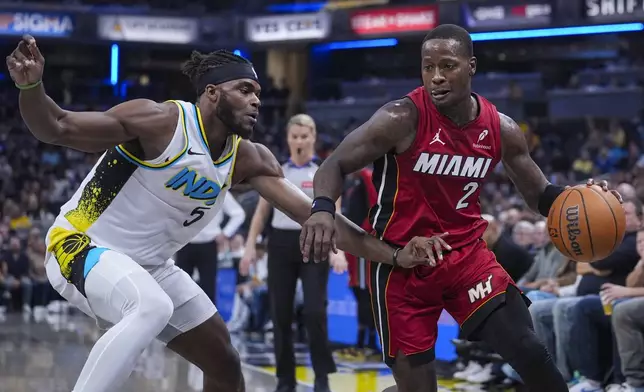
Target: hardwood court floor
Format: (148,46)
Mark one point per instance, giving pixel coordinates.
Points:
(47,356)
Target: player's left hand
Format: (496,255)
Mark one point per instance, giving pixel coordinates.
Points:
(419,248)
(612,292)
(338,262)
(317,237)
(604,185)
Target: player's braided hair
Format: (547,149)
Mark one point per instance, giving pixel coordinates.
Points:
(200,63)
(451,31)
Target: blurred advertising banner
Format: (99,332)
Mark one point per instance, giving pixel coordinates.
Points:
(614,10)
(39,24)
(296,27)
(159,29)
(394,20)
(506,16)
(347,4)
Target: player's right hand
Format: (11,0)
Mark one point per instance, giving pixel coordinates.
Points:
(249,257)
(26,63)
(423,251)
(318,235)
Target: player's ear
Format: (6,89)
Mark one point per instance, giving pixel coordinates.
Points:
(472,65)
(212,93)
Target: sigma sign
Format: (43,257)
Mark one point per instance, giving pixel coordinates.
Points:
(52,25)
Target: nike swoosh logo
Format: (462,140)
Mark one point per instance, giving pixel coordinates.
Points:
(190,152)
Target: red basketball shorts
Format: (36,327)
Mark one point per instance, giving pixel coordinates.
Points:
(469,283)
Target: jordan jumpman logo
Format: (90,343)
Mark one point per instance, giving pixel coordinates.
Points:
(437,138)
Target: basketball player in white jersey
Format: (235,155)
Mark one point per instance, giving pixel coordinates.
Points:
(163,176)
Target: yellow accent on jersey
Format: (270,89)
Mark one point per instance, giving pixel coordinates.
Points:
(65,245)
(233,150)
(182,115)
(202,129)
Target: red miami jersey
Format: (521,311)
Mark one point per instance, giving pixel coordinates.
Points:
(433,187)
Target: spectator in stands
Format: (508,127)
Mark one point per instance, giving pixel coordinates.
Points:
(583,166)
(36,254)
(552,318)
(592,338)
(15,266)
(523,234)
(514,259)
(550,266)
(627,191)
(18,220)
(4,291)
(508,219)
(592,341)
(256,292)
(628,327)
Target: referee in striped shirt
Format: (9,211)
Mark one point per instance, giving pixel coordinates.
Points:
(285,267)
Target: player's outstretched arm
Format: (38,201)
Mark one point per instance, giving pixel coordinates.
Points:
(391,128)
(519,165)
(538,193)
(85,131)
(261,170)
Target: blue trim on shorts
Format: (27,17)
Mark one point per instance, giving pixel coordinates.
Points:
(91,260)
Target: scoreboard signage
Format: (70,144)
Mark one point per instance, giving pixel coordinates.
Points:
(506,16)
(42,24)
(615,9)
(157,29)
(296,27)
(394,20)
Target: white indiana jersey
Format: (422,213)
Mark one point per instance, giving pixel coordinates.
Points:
(147,210)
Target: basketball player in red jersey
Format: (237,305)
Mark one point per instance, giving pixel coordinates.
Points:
(433,150)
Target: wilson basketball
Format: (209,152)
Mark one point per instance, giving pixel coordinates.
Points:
(586,224)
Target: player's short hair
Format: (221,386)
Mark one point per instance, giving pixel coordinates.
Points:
(303,120)
(451,31)
(199,63)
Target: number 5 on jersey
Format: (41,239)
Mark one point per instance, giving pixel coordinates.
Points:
(197,214)
(469,189)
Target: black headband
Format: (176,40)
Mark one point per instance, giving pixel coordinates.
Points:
(225,73)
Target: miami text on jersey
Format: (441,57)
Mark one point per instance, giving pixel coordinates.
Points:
(194,187)
(452,165)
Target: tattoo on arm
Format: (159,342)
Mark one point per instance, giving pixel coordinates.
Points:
(389,129)
(522,170)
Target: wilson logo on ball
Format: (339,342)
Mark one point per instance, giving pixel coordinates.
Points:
(586,223)
(572,216)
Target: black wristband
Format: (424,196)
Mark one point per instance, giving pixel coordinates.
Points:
(548,197)
(323,203)
(395,258)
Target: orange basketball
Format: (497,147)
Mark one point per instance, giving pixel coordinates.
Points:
(586,224)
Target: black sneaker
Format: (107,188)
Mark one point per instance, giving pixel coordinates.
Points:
(321,384)
(284,387)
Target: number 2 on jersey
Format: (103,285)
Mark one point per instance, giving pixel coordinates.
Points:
(469,188)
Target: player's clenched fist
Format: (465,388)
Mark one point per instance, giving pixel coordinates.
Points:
(26,63)
(318,235)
